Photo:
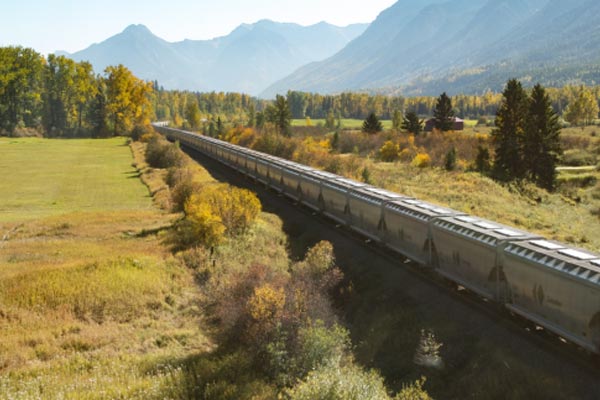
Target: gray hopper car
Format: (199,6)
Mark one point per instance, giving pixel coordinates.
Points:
(551,284)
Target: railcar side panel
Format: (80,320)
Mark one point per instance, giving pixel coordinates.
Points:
(407,234)
(366,215)
(310,188)
(291,183)
(334,202)
(466,260)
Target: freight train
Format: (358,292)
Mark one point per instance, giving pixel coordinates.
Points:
(549,283)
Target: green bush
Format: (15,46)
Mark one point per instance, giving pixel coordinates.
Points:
(321,347)
(334,383)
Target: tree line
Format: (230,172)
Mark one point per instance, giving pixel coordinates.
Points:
(59,97)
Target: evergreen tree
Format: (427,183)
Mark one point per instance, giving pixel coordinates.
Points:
(372,124)
(482,160)
(443,114)
(509,132)
(251,116)
(280,115)
(335,140)
(411,123)
(541,147)
(260,120)
(220,126)
(99,112)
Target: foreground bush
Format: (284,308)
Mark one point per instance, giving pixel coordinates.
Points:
(334,383)
(162,154)
(213,212)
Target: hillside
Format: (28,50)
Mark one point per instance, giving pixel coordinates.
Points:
(425,47)
(247,60)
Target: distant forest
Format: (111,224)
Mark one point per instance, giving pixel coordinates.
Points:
(58,97)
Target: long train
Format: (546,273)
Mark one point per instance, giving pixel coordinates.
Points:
(552,284)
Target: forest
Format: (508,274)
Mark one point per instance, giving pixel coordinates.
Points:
(57,97)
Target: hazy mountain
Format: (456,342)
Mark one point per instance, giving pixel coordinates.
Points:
(431,46)
(247,60)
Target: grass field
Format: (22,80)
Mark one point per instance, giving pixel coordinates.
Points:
(51,177)
(92,303)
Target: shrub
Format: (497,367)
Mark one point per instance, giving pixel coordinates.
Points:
(320,258)
(141,131)
(389,151)
(201,225)
(162,154)
(421,160)
(334,383)
(365,175)
(450,161)
(266,304)
(184,182)
(320,347)
(217,209)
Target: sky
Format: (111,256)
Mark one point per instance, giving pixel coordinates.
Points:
(72,25)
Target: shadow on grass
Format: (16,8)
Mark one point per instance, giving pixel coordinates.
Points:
(220,375)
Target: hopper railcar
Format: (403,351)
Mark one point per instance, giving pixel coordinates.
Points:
(551,284)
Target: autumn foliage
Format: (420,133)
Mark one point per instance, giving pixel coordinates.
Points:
(217,210)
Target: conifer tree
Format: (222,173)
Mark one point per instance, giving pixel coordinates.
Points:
(280,115)
(411,123)
(508,134)
(541,147)
(372,124)
(443,114)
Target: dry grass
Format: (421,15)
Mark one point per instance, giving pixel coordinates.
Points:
(555,216)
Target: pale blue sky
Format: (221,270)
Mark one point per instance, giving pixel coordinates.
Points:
(71,25)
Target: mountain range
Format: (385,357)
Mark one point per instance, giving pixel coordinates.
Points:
(247,60)
(461,46)
(415,47)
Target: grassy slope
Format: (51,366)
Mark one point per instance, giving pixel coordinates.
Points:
(91,306)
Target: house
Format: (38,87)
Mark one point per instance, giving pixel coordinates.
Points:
(459,124)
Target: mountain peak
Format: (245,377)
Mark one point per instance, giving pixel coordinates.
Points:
(137,29)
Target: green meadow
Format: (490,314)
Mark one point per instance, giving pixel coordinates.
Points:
(51,177)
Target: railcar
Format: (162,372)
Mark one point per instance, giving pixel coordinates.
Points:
(334,198)
(549,283)
(366,210)
(557,287)
(407,227)
(468,250)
